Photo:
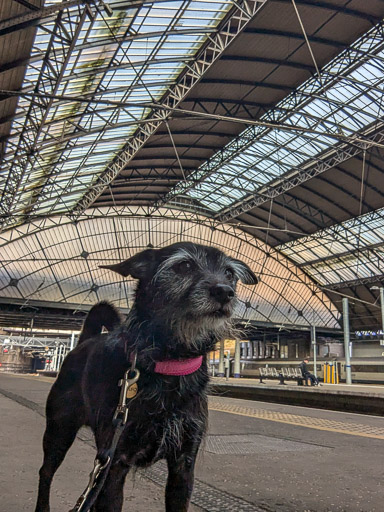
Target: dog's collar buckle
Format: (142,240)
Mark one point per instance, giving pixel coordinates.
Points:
(128,391)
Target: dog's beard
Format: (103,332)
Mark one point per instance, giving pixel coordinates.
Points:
(201,333)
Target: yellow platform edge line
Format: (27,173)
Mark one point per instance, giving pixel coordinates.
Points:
(339,431)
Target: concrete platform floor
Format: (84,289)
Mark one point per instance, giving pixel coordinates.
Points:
(257,457)
(368,389)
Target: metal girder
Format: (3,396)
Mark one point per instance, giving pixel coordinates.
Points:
(249,83)
(270,192)
(345,254)
(338,230)
(355,282)
(31,342)
(27,4)
(265,60)
(31,18)
(65,33)
(136,36)
(293,35)
(330,6)
(314,88)
(304,209)
(240,16)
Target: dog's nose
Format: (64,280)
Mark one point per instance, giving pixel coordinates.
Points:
(222,293)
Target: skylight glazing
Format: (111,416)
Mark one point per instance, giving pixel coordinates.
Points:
(55,259)
(346,100)
(349,251)
(58,147)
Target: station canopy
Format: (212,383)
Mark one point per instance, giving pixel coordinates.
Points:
(255,126)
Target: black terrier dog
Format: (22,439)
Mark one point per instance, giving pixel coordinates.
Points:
(184,300)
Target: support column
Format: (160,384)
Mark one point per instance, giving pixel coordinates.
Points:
(72,341)
(314,347)
(346,341)
(54,360)
(58,361)
(236,369)
(220,372)
(382,311)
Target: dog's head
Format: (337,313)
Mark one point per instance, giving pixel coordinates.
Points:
(187,287)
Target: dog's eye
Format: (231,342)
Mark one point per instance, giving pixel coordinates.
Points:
(229,274)
(184,267)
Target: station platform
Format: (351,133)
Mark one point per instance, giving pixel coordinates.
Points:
(361,398)
(257,457)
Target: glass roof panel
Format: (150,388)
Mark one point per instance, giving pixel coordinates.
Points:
(57,271)
(347,99)
(348,251)
(132,56)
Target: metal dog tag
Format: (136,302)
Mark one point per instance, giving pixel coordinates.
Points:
(132,391)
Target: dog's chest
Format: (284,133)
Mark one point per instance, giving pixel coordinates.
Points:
(158,428)
(147,442)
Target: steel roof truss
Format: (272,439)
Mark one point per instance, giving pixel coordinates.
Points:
(218,42)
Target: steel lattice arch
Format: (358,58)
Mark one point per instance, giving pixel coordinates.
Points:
(255,125)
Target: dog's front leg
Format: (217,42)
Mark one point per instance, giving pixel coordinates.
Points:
(111,496)
(180,479)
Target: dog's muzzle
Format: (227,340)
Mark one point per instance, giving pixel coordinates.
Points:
(222,293)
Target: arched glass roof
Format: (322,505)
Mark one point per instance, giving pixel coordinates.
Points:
(342,104)
(57,260)
(352,251)
(90,82)
(264,113)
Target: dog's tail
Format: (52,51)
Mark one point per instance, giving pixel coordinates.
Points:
(101,315)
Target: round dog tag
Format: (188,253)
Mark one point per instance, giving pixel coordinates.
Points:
(132,391)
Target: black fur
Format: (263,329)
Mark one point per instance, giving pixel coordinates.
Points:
(104,315)
(184,299)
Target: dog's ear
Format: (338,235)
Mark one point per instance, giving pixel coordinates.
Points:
(139,266)
(244,273)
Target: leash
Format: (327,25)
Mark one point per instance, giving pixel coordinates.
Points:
(103,461)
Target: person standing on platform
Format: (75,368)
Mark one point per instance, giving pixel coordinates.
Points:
(307,374)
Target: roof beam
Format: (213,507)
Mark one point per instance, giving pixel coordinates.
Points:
(338,256)
(294,35)
(240,16)
(355,282)
(250,83)
(343,9)
(338,230)
(272,191)
(28,19)
(346,61)
(264,60)
(37,113)
(27,4)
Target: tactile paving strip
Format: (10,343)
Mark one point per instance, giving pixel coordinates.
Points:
(354,429)
(204,496)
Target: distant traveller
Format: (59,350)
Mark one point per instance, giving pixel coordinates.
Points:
(307,374)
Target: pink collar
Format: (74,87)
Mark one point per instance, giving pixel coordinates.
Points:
(179,367)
